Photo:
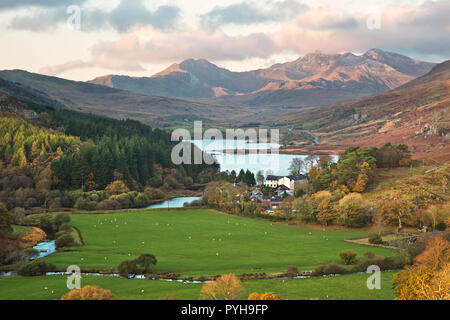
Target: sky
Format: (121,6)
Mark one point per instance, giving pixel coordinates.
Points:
(84,39)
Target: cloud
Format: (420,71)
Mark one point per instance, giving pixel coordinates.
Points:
(148,45)
(421,31)
(61,68)
(13,4)
(128,14)
(250,13)
(404,28)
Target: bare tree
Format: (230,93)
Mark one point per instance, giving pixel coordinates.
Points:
(297,166)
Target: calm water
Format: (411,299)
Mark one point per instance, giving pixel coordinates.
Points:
(278,164)
(174,203)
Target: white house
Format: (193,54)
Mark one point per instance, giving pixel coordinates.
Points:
(291,182)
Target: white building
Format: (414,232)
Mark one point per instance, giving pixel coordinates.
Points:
(291,182)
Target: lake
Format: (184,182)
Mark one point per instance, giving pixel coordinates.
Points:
(173,203)
(278,164)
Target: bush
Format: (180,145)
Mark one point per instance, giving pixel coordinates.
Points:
(108,204)
(30,253)
(89,293)
(348,257)
(292,270)
(375,238)
(369,254)
(127,267)
(441,226)
(35,268)
(330,268)
(18,214)
(384,263)
(65,240)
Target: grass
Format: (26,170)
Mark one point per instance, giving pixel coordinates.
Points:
(333,288)
(198,242)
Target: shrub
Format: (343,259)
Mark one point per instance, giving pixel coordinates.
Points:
(269,296)
(108,204)
(35,268)
(226,287)
(292,270)
(254,296)
(116,187)
(348,257)
(375,238)
(89,293)
(441,226)
(369,254)
(18,214)
(127,267)
(330,268)
(145,261)
(65,240)
(30,253)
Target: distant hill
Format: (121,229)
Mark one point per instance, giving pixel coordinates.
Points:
(314,79)
(87,97)
(417,114)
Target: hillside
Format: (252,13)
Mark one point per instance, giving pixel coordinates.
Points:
(417,114)
(102,100)
(312,80)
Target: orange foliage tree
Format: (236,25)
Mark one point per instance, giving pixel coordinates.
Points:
(429,277)
(89,293)
(226,287)
(117,187)
(264,296)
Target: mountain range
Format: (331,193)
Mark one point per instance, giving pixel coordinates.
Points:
(315,79)
(199,90)
(416,114)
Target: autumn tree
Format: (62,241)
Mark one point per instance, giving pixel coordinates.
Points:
(327,214)
(429,277)
(116,187)
(395,211)
(89,293)
(353,210)
(225,287)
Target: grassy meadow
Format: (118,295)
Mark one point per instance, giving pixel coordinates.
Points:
(345,287)
(203,242)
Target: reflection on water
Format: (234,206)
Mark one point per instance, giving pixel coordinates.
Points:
(278,164)
(174,203)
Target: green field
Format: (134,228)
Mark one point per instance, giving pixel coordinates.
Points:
(333,288)
(203,242)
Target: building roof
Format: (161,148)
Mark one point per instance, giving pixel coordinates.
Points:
(274,177)
(291,177)
(298,177)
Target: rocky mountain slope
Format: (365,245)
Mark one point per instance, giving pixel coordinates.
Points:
(417,114)
(314,79)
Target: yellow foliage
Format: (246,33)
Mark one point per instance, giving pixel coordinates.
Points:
(226,287)
(89,293)
(264,296)
(254,296)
